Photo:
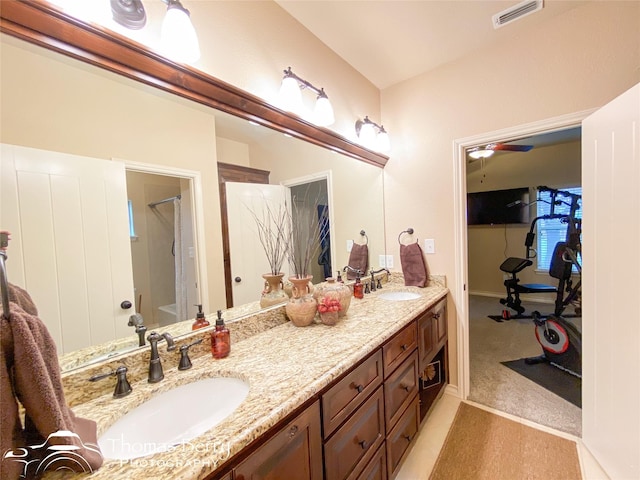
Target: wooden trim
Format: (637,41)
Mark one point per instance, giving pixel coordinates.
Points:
(43,24)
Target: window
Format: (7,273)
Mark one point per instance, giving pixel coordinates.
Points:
(132,230)
(553,231)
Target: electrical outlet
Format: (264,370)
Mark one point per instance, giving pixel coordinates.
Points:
(349,245)
(429,245)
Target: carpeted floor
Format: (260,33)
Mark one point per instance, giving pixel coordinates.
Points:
(499,387)
(482,445)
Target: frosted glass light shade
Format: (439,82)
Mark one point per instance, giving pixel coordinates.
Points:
(323,112)
(178,37)
(382,142)
(368,135)
(290,95)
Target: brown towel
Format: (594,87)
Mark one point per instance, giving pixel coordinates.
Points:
(30,374)
(22,298)
(414,268)
(358,259)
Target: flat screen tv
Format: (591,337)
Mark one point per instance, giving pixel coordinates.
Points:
(498,207)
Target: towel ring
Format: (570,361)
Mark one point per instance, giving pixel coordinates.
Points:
(366,239)
(408,231)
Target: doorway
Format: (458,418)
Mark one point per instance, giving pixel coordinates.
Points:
(165,231)
(465,292)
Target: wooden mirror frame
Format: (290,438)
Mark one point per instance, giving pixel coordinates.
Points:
(44,25)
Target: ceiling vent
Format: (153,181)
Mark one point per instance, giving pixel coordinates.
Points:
(520,10)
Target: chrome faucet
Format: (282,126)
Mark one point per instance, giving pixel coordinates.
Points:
(155,365)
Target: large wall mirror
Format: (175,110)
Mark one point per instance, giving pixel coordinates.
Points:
(54,103)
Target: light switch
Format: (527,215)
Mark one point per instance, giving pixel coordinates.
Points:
(349,245)
(385,261)
(429,245)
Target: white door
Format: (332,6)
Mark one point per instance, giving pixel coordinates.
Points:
(611,283)
(70,246)
(248,259)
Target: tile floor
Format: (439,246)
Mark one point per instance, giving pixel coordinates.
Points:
(424,453)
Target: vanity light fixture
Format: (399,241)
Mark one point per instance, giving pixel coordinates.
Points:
(291,99)
(178,38)
(372,135)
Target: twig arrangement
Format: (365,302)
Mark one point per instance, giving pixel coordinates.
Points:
(274,232)
(309,232)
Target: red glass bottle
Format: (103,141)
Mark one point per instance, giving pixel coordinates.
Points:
(220,339)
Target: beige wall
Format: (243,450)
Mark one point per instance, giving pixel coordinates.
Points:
(577,61)
(488,245)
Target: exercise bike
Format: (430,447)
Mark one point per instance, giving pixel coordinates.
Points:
(560,340)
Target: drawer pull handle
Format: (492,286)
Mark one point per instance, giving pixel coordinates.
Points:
(292,431)
(407,438)
(364,444)
(436,316)
(404,346)
(405,387)
(359,388)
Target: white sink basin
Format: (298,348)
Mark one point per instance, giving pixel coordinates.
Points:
(399,296)
(173,417)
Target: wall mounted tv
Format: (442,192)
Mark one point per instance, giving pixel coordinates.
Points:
(498,207)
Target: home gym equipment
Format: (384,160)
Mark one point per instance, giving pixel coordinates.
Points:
(565,256)
(560,340)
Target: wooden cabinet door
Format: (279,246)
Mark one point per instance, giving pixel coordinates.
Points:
(440,322)
(294,453)
(426,345)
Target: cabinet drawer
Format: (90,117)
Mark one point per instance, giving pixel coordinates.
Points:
(401,436)
(376,469)
(399,390)
(344,397)
(356,442)
(397,349)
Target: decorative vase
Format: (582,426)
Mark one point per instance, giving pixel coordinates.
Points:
(273,293)
(329,318)
(335,289)
(288,287)
(301,307)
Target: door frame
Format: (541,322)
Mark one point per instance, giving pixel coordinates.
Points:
(195,179)
(459,290)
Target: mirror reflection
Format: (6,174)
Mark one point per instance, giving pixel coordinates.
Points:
(55,104)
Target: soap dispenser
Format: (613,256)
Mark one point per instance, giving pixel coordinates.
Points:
(201,321)
(220,339)
(357,287)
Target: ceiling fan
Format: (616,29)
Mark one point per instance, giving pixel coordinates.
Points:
(488,150)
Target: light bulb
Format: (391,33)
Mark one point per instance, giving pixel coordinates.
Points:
(178,37)
(290,95)
(323,112)
(476,154)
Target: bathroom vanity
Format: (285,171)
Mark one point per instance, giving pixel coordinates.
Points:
(324,402)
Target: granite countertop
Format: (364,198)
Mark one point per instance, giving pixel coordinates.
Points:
(284,366)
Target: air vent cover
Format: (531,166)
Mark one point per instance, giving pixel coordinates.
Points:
(517,11)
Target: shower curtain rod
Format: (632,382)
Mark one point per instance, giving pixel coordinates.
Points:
(170,199)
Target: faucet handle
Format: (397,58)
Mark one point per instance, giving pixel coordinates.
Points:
(123,387)
(185,361)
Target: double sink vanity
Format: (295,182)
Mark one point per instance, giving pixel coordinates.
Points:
(332,402)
